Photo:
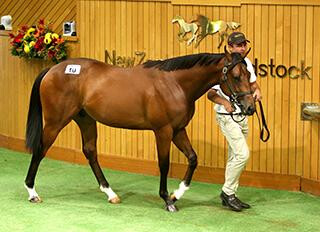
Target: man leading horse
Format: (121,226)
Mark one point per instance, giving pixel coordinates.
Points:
(234,126)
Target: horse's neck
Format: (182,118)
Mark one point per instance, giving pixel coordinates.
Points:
(197,81)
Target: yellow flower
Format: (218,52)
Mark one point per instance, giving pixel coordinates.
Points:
(32,43)
(47,39)
(31,30)
(54,36)
(26,48)
(48,35)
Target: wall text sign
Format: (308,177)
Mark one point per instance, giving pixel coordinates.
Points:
(281,71)
(123,61)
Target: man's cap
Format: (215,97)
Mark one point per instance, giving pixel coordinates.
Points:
(237,37)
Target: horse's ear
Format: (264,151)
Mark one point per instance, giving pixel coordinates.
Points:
(247,52)
(228,55)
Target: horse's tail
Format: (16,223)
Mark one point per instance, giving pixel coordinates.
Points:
(34,122)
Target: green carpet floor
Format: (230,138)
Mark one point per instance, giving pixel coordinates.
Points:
(72,202)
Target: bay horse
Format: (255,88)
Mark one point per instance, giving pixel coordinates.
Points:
(158,95)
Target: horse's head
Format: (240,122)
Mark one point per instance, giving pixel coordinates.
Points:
(235,82)
(176,19)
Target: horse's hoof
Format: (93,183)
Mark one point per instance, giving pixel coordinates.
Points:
(35,199)
(171,208)
(115,200)
(173,198)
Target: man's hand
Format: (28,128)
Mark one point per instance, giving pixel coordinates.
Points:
(216,98)
(256,91)
(228,106)
(257,95)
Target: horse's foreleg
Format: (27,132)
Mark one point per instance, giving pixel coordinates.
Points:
(163,139)
(88,129)
(182,142)
(50,133)
(181,35)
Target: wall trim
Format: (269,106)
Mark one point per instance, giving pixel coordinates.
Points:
(203,174)
(5,33)
(239,3)
(235,3)
(282,2)
(207,2)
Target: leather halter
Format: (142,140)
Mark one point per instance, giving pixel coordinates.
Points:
(234,100)
(234,97)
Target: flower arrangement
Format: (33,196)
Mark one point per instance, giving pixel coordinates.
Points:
(38,42)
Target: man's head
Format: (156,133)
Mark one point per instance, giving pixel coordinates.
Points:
(237,42)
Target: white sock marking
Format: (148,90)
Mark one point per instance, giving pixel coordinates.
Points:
(32,192)
(179,192)
(109,192)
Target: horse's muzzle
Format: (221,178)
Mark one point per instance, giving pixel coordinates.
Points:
(250,110)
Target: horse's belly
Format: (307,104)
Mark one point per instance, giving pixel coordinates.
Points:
(117,114)
(126,122)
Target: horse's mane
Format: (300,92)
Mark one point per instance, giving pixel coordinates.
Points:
(184,62)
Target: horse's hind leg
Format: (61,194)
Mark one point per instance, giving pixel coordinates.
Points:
(182,142)
(88,127)
(50,132)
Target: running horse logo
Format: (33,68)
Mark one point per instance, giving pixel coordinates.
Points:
(211,27)
(207,27)
(185,28)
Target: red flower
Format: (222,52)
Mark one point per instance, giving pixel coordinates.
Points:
(18,38)
(11,35)
(24,28)
(54,41)
(37,34)
(51,53)
(39,44)
(41,22)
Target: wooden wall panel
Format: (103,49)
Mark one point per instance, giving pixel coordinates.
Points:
(29,12)
(286,33)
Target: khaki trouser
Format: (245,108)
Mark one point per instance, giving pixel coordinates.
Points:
(238,151)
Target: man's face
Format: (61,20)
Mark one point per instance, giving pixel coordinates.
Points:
(239,48)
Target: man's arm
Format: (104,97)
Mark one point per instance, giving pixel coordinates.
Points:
(216,98)
(256,91)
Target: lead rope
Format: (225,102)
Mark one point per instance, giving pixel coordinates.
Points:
(264,127)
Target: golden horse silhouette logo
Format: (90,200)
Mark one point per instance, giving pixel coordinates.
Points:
(206,26)
(211,27)
(185,28)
